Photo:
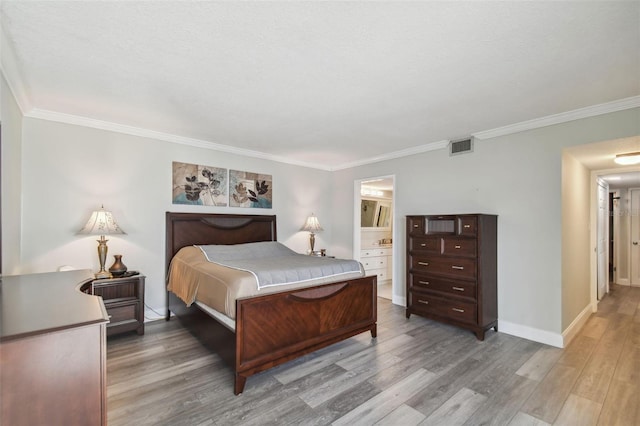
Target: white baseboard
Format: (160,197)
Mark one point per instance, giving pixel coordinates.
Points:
(530,333)
(622,281)
(577,324)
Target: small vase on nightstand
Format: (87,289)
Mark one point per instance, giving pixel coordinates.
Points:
(118,268)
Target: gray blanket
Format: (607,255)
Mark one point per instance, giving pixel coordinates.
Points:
(273,264)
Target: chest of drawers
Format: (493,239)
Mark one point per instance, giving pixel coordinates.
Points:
(452,270)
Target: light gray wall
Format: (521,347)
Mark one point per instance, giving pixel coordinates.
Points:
(519,178)
(70,170)
(576,233)
(11,117)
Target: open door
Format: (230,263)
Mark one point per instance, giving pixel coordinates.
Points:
(602,231)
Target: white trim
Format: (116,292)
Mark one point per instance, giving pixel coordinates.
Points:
(395,154)
(622,104)
(563,117)
(530,333)
(623,281)
(166,137)
(574,328)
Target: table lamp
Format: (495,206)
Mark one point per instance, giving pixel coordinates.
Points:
(101,223)
(312,225)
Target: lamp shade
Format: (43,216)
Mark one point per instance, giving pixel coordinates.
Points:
(312,225)
(101,222)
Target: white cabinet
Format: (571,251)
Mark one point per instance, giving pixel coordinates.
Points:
(377,261)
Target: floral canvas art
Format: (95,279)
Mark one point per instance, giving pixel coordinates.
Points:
(199,185)
(250,189)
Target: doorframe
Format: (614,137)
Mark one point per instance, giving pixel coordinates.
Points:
(602,263)
(595,175)
(396,299)
(630,258)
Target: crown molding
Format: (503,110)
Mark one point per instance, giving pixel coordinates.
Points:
(619,105)
(166,137)
(395,154)
(11,74)
(563,117)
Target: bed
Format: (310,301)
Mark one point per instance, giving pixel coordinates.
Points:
(274,328)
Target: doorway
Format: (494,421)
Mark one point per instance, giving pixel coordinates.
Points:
(635,237)
(374,230)
(623,227)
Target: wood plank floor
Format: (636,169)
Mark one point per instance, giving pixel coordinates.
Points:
(417,372)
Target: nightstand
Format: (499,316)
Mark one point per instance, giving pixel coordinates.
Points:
(124,300)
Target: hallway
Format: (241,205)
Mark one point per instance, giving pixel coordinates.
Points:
(596,379)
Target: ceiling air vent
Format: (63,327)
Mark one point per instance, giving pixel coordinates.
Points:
(461,146)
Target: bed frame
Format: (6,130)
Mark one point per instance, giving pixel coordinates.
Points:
(274,328)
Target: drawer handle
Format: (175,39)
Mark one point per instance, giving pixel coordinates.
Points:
(424,302)
(423,282)
(457,267)
(458,310)
(467,226)
(458,288)
(457,247)
(423,263)
(423,245)
(415,226)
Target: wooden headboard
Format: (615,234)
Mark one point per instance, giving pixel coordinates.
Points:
(186,229)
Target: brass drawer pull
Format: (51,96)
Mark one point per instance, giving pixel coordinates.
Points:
(467,226)
(423,282)
(457,247)
(423,263)
(457,267)
(458,310)
(425,302)
(458,288)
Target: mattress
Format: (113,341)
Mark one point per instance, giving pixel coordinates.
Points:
(193,278)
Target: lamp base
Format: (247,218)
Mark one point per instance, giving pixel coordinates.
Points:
(102,275)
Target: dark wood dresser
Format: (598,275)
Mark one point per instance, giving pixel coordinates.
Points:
(52,351)
(452,270)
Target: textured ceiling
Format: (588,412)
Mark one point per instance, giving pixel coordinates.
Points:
(321,83)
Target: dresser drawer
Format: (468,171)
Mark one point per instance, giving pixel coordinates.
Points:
(458,267)
(456,246)
(448,308)
(382,274)
(426,244)
(415,225)
(374,262)
(468,226)
(386,251)
(466,289)
(122,311)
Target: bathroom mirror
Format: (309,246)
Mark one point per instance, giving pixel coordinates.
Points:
(375,213)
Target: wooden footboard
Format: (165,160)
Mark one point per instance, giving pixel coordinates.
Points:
(276,328)
(279,327)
